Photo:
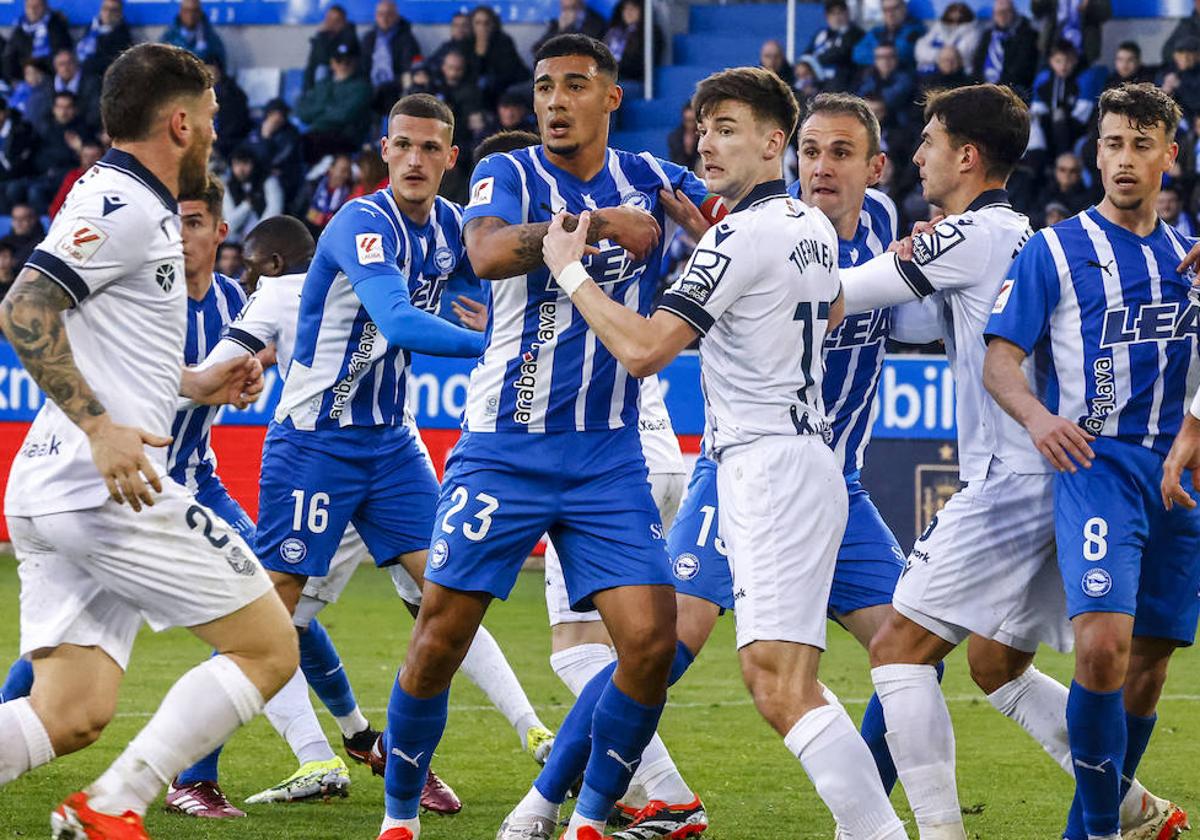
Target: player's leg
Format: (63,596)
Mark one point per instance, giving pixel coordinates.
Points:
(19,680)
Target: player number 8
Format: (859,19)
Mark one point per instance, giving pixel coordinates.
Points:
(459,501)
(1095,546)
(318,513)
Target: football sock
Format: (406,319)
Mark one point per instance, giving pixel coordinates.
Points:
(201,710)
(579,821)
(19,681)
(621,728)
(1039,704)
(573,742)
(323,669)
(291,713)
(486,666)
(576,665)
(874,732)
(1137,738)
(24,742)
(659,776)
(413,825)
(206,769)
(535,803)
(1098,737)
(837,760)
(414,728)
(921,739)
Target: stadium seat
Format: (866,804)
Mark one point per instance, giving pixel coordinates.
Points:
(293,85)
(261,84)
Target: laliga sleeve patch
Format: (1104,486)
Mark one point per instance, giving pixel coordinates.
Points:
(481,193)
(703,274)
(1002,299)
(927,247)
(369,247)
(81,241)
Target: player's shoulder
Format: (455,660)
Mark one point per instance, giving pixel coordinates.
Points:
(879,205)
(645,167)
(119,183)
(230,288)
(448,213)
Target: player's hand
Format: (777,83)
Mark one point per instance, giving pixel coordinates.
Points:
(1061,442)
(1191,262)
(268,356)
(560,248)
(237,382)
(472,313)
(925,227)
(119,453)
(903,248)
(1184,455)
(684,213)
(634,230)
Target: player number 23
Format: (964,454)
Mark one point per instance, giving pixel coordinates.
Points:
(459,499)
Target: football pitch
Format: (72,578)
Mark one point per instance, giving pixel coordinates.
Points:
(753,788)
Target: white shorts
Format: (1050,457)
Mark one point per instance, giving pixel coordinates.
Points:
(667,489)
(782,516)
(90,577)
(987,565)
(351,551)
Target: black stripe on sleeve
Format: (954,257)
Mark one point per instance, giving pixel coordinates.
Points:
(250,342)
(60,273)
(688,310)
(914,277)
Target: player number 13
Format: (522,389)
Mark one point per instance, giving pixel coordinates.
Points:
(459,499)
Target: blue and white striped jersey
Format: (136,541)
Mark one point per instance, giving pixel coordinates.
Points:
(1121,327)
(190,458)
(543,369)
(344,372)
(854,351)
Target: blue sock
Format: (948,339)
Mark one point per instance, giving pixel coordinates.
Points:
(679,665)
(323,669)
(19,681)
(1137,730)
(621,729)
(1096,730)
(414,729)
(874,732)
(573,741)
(1075,829)
(204,770)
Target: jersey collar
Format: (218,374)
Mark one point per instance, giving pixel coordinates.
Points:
(127,163)
(990,198)
(767,189)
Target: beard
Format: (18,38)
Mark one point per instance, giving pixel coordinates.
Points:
(562,149)
(1127,204)
(193,168)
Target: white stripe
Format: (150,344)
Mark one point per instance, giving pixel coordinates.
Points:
(617,403)
(1160,348)
(556,199)
(839,446)
(1066,328)
(1114,299)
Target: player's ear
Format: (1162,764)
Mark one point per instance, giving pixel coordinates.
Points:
(222,232)
(452,158)
(615,95)
(875,168)
(775,145)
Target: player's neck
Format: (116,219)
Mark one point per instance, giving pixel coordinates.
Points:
(415,211)
(1140,221)
(163,163)
(585,164)
(198,286)
(736,195)
(846,225)
(966,192)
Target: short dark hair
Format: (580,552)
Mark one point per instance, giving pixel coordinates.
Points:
(213,196)
(1130,46)
(769,97)
(849,105)
(286,236)
(573,43)
(423,106)
(992,118)
(506,141)
(1145,105)
(1064,47)
(141,82)
(66,94)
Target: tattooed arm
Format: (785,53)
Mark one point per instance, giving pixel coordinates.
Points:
(32,319)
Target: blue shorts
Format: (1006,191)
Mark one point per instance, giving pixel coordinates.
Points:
(211,493)
(588,490)
(1120,551)
(869,561)
(314,484)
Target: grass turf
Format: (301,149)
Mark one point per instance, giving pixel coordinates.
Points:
(753,788)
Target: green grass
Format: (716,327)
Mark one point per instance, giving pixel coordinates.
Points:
(752,786)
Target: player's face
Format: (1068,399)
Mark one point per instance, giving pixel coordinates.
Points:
(736,149)
(257,262)
(573,99)
(202,235)
(939,161)
(418,152)
(835,167)
(193,168)
(1132,161)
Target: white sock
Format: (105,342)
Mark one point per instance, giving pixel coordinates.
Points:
(579,821)
(200,712)
(352,723)
(837,760)
(291,713)
(413,825)
(535,803)
(1131,805)
(660,777)
(486,666)
(24,743)
(577,665)
(1039,704)
(921,739)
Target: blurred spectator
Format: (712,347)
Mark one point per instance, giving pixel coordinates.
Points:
(461,39)
(1181,78)
(195,33)
(1128,67)
(898,29)
(69,77)
(948,72)
(18,145)
(90,152)
(573,17)
(805,82)
(899,140)
(626,38)
(251,195)
(957,28)
(60,141)
(1170,210)
(1075,21)
(423,78)
(229,260)
(887,79)
(328,194)
(336,110)
(233,112)
(464,99)
(1053,213)
(8,269)
(832,48)
(372,173)
(681,142)
(279,148)
(771,56)
(39,33)
(34,94)
(1188,27)
(1007,52)
(389,51)
(333,31)
(1059,114)
(26,233)
(494,61)
(513,114)
(106,37)
(1067,188)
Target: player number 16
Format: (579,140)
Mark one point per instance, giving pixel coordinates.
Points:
(318,512)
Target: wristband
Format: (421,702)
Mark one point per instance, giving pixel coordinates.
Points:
(572,277)
(1195,408)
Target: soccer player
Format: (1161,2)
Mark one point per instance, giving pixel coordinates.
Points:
(99,319)
(761,292)
(550,441)
(1102,292)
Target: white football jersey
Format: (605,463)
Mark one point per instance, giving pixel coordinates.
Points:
(759,290)
(660,446)
(270,318)
(116,250)
(961,266)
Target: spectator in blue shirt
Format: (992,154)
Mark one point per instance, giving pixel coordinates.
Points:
(195,33)
(831,52)
(894,84)
(38,34)
(898,29)
(105,38)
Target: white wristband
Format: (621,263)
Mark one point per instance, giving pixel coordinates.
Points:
(1195,408)
(572,277)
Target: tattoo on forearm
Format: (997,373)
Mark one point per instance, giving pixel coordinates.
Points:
(31,317)
(526,253)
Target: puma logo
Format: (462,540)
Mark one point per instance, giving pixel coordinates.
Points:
(1102,266)
(628,765)
(409,759)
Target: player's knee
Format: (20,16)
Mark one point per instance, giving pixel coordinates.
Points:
(1102,661)
(647,655)
(434,654)
(1144,686)
(991,673)
(74,723)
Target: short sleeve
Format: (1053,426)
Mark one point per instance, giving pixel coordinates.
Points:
(258,324)
(948,257)
(85,254)
(1027,297)
(363,242)
(713,279)
(496,190)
